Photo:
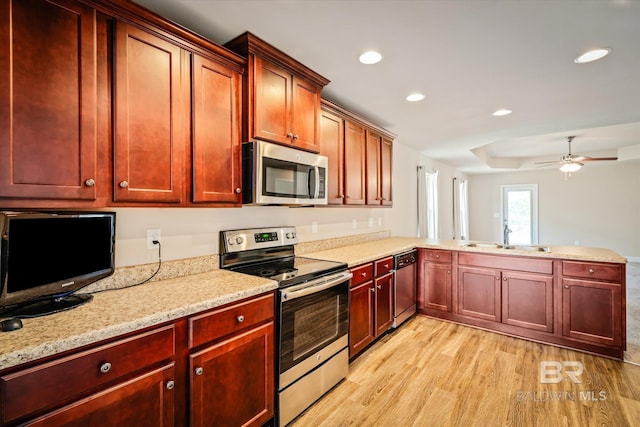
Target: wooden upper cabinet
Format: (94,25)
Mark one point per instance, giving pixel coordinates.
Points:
(379,161)
(47,100)
(217,168)
(373,168)
(332,143)
(282,96)
(150,112)
(354,164)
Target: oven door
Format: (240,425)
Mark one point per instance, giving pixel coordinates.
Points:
(314,324)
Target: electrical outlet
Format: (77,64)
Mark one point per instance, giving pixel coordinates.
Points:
(152,234)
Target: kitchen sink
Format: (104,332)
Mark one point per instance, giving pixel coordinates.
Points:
(533,248)
(484,245)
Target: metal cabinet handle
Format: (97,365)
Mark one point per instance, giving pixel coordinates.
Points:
(90,182)
(342,196)
(386,266)
(199,370)
(105,367)
(124,184)
(379,286)
(591,271)
(240,318)
(372,289)
(295,137)
(437,256)
(290,135)
(238,190)
(448,271)
(497,277)
(364,274)
(170,385)
(505,279)
(566,286)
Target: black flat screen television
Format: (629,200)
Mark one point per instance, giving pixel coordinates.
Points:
(45,257)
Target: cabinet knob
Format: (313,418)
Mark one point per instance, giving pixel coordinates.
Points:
(372,289)
(240,318)
(448,271)
(238,190)
(90,182)
(386,266)
(379,286)
(437,256)
(290,135)
(505,279)
(347,197)
(591,271)
(497,277)
(105,367)
(363,274)
(566,286)
(199,370)
(342,196)
(124,184)
(170,385)
(295,137)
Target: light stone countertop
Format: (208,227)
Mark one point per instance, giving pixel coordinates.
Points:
(370,251)
(117,312)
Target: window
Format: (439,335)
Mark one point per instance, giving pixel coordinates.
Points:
(427,203)
(460,209)
(520,214)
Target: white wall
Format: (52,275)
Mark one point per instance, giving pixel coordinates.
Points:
(598,206)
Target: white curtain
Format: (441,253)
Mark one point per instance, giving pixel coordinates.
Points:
(460,209)
(427,203)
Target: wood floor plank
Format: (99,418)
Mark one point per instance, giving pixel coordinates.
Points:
(435,373)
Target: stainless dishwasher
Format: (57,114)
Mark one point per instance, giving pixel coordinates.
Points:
(404,286)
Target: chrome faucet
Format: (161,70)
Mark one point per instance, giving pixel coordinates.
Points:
(505,233)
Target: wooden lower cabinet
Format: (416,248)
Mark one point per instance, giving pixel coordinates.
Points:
(147,399)
(435,279)
(232,382)
(591,311)
(574,304)
(370,303)
(212,368)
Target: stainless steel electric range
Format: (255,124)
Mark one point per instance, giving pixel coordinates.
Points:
(312,313)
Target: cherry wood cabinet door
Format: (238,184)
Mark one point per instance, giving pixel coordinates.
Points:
(217,167)
(361,318)
(305,114)
(592,311)
(48,104)
(354,164)
(383,303)
(479,293)
(146,400)
(373,168)
(436,283)
(232,382)
(150,114)
(386,161)
(332,146)
(272,108)
(527,300)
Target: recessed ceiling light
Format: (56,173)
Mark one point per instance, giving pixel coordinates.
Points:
(502,112)
(415,97)
(592,55)
(370,57)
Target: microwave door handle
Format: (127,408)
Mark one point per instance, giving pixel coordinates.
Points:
(317,192)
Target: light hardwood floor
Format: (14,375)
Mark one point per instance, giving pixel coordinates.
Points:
(435,373)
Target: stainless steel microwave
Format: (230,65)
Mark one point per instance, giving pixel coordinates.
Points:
(277,175)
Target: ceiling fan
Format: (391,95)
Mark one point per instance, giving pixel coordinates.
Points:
(573,162)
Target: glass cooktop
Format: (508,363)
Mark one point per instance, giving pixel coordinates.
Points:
(291,270)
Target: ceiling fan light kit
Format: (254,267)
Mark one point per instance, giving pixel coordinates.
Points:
(572,162)
(570,167)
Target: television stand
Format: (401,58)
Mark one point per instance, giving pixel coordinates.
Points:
(47,306)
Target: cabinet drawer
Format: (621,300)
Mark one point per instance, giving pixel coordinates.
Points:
(383,266)
(437,256)
(591,270)
(361,274)
(210,326)
(44,386)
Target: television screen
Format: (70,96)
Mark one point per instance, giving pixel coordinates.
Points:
(47,254)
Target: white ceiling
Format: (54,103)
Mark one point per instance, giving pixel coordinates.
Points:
(469,58)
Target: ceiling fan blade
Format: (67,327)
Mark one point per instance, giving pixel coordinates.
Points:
(553,162)
(595,159)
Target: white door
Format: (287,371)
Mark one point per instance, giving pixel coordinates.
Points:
(520,214)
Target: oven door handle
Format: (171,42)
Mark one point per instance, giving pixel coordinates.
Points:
(314,286)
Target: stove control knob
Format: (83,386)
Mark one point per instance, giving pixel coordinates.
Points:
(230,240)
(293,235)
(239,240)
(289,236)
